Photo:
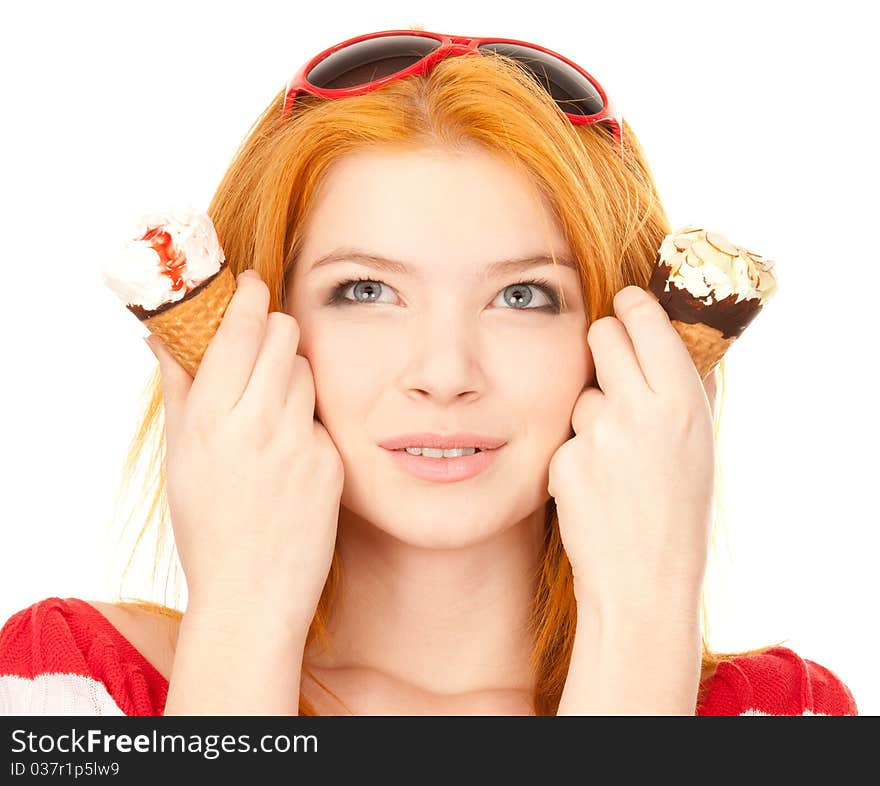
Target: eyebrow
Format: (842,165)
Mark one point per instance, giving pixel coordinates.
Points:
(379,262)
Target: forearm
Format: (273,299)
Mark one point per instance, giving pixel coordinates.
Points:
(634,663)
(229,663)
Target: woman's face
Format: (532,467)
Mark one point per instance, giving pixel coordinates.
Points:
(445,346)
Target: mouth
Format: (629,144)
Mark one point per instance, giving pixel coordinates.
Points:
(420,452)
(444,470)
(448,440)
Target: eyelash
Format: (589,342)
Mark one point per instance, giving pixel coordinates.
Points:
(336,298)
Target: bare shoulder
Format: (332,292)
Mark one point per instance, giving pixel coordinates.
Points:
(150,632)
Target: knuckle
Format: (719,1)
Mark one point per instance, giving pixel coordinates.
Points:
(603,434)
(559,456)
(249,281)
(250,275)
(643,309)
(253,427)
(302,366)
(284,322)
(620,299)
(630,294)
(601,326)
(632,299)
(683,420)
(199,427)
(251,321)
(603,323)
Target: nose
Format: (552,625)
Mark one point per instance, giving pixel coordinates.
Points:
(444,360)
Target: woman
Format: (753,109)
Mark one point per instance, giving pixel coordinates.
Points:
(452,256)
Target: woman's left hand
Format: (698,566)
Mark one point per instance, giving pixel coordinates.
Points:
(634,486)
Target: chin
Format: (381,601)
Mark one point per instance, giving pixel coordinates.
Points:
(441,534)
(428,529)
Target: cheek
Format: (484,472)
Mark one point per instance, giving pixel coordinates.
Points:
(547,384)
(346,376)
(571,367)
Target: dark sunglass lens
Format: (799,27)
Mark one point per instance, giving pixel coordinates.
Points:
(570,89)
(365,61)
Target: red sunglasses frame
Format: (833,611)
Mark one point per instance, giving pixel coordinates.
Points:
(450,46)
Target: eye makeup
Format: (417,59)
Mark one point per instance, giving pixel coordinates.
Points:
(336,297)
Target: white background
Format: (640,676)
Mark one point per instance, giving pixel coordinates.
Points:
(758,119)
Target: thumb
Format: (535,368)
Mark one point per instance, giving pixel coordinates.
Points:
(176,383)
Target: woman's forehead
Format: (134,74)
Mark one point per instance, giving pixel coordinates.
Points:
(397,205)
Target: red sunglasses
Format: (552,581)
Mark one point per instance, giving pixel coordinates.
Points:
(367,62)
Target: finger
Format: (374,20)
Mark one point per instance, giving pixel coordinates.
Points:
(176,383)
(617,368)
(229,359)
(662,355)
(586,408)
(270,379)
(300,404)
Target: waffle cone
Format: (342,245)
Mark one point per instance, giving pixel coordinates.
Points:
(706,344)
(187,326)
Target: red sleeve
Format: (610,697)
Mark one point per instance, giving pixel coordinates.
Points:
(776,682)
(63,657)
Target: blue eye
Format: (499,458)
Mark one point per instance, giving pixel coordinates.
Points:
(371,291)
(518,292)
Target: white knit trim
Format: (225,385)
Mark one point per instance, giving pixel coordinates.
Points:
(55,694)
(773,714)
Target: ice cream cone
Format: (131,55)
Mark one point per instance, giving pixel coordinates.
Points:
(706,344)
(187,326)
(711,291)
(173,276)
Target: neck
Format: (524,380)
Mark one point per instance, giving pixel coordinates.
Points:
(445,621)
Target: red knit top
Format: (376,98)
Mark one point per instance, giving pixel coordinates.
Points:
(63,657)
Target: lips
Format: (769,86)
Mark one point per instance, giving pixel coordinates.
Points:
(443,470)
(461,439)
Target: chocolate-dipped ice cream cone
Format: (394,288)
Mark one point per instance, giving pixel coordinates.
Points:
(711,289)
(174,278)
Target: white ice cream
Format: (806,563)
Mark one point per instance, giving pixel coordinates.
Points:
(138,275)
(711,268)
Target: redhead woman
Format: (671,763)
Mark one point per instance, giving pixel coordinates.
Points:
(444,455)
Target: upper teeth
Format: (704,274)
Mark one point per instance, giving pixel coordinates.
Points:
(438,453)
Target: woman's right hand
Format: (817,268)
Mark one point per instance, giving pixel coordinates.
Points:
(254,480)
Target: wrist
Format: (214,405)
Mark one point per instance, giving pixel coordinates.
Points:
(680,609)
(251,619)
(607,673)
